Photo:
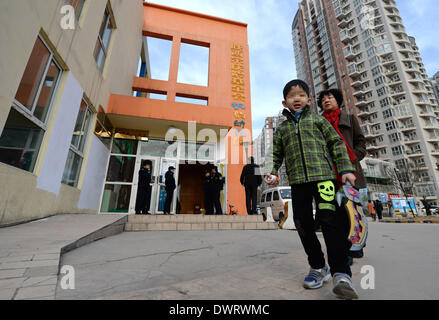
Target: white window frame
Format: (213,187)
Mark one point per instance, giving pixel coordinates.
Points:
(29,114)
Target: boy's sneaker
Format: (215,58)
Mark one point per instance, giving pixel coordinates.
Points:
(343,287)
(316,278)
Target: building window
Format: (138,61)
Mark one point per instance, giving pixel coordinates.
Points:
(103,128)
(76,151)
(104,37)
(78,5)
(26,124)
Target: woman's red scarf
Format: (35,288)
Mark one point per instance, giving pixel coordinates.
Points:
(334,119)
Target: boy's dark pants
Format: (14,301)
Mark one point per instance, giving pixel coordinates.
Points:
(333,222)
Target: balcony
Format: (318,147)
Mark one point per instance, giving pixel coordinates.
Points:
(353,70)
(365,112)
(406,128)
(361,103)
(396,93)
(414,154)
(345,37)
(359,93)
(411,140)
(340,13)
(342,22)
(373,147)
(349,53)
(427,113)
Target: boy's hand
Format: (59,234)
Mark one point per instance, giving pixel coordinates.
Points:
(270,181)
(350,177)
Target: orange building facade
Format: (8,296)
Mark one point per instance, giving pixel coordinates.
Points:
(191,137)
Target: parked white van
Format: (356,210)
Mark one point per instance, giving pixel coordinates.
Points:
(276,199)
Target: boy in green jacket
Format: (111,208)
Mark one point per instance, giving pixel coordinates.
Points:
(310,146)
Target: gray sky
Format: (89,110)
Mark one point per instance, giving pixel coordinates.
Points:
(271,49)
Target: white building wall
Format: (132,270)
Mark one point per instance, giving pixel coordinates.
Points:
(55,156)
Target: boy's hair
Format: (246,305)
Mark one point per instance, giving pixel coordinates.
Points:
(338,95)
(295,83)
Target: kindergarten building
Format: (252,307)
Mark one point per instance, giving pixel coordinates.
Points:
(79,110)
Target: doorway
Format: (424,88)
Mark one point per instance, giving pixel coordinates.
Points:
(191,178)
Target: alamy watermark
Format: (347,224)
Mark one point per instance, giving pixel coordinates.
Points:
(68,279)
(68,20)
(368,281)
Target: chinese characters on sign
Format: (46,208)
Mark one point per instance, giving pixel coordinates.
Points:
(238,92)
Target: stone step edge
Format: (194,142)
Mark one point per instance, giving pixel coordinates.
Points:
(194,219)
(211,226)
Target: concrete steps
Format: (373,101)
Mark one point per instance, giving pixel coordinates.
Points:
(190,222)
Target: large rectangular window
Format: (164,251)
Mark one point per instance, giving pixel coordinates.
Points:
(26,124)
(104,37)
(76,151)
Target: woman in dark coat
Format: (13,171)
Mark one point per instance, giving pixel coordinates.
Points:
(349,130)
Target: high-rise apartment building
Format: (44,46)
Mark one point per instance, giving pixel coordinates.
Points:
(263,146)
(374,59)
(435,83)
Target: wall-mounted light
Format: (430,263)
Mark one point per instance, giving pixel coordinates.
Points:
(172,130)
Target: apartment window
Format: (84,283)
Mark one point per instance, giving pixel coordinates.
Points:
(78,5)
(379,80)
(26,124)
(376,71)
(387,113)
(104,37)
(104,128)
(395,137)
(390,126)
(385,102)
(381,91)
(401,164)
(76,151)
(397,151)
(420,163)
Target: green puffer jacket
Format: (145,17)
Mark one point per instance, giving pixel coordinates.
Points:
(309,147)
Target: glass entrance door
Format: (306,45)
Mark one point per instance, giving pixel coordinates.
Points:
(161,195)
(155,186)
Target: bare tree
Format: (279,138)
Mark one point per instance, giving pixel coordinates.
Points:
(404,179)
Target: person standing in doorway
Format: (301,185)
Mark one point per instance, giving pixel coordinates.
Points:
(218,185)
(209,193)
(251,180)
(144,189)
(371,209)
(169,187)
(427,206)
(379,209)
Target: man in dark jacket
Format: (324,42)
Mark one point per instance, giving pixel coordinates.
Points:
(379,209)
(218,184)
(169,187)
(209,193)
(144,189)
(427,206)
(251,180)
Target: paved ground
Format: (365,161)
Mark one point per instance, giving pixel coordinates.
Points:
(30,253)
(246,265)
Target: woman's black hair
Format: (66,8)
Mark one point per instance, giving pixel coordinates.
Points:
(338,95)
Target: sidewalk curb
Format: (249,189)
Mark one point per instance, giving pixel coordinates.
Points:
(104,232)
(412,221)
(43,287)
